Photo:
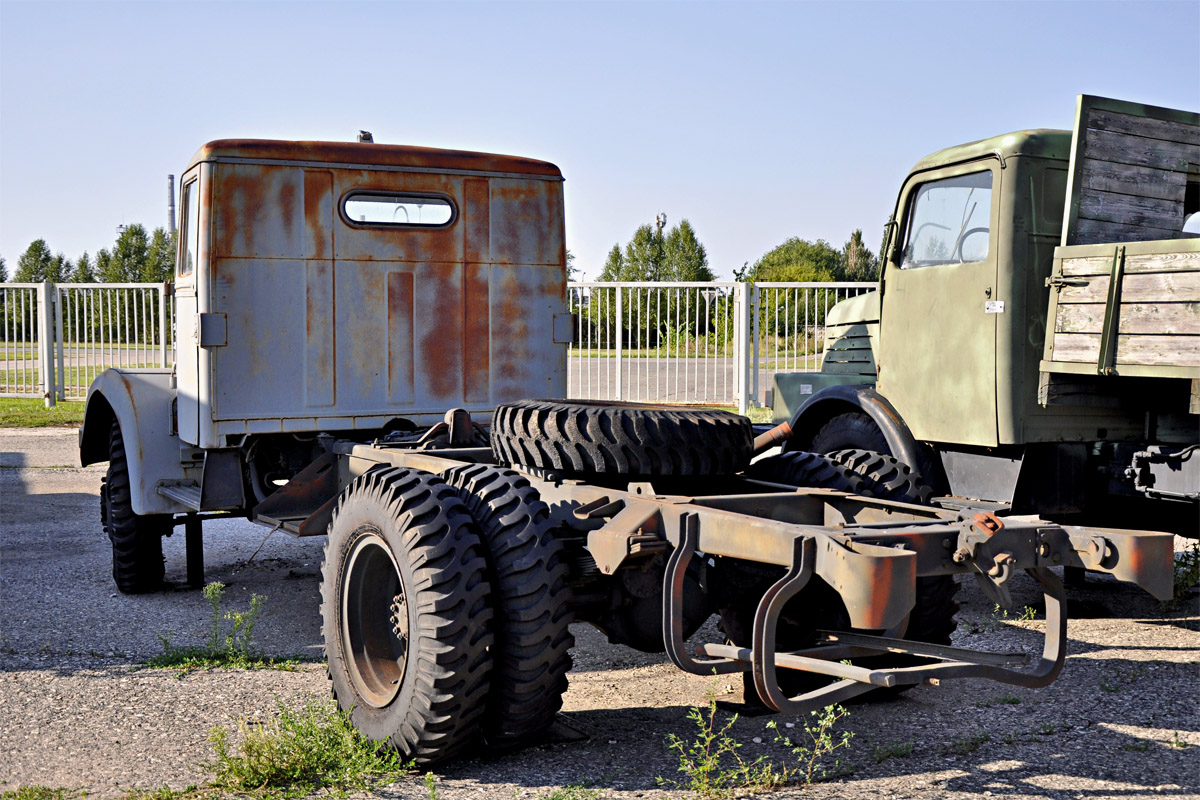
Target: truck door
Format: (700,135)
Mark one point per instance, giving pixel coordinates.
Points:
(187,282)
(937,355)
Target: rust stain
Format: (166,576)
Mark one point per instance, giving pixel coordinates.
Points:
(287,206)
(441,355)
(318,190)
(239,194)
(476,333)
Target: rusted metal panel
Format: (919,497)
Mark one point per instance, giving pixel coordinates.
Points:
(336,322)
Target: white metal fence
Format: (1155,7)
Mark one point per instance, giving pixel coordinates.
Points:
(54,339)
(705,343)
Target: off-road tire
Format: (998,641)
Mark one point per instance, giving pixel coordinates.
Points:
(137,556)
(798,468)
(885,477)
(621,438)
(528,572)
(852,430)
(437,581)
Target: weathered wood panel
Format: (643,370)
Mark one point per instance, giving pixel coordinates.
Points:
(1149,262)
(1093,231)
(1140,151)
(1128,209)
(1168,130)
(1155,287)
(1147,318)
(1083,348)
(1102,176)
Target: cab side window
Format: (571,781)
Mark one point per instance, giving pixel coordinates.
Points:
(949,222)
(191,229)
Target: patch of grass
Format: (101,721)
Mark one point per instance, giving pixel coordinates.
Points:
(887,752)
(1003,699)
(967,745)
(28,412)
(819,743)
(574,791)
(1136,747)
(303,751)
(230,642)
(710,764)
(41,793)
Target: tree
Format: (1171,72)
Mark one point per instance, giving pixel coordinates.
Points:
(83,270)
(858,262)
(614,265)
(103,266)
(129,256)
(686,259)
(160,258)
(60,269)
(572,270)
(795,260)
(34,263)
(3,271)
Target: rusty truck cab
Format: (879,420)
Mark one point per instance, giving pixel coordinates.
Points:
(337,286)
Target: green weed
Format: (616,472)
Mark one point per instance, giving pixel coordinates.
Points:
(1186,574)
(230,642)
(710,764)
(300,753)
(1136,747)
(41,793)
(574,791)
(1004,699)
(820,742)
(1177,741)
(966,745)
(894,750)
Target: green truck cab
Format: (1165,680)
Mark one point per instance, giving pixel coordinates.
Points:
(1034,344)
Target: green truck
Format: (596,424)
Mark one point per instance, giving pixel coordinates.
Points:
(1034,343)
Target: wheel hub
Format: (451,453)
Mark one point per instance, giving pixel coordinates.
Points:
(399,618)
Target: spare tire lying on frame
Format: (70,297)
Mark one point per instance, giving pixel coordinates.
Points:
(583,436)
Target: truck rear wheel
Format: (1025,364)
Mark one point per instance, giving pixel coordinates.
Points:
(137,557)
(406,614)
(621,438)
(528,574)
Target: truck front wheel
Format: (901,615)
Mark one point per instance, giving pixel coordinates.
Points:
(406,613)
(137,557)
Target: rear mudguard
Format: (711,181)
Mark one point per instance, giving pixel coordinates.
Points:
(140,400)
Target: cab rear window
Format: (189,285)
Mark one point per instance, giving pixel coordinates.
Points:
(379,209)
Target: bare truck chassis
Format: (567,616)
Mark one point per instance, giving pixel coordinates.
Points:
(870,551)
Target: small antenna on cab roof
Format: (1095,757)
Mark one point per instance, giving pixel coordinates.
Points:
(365,136)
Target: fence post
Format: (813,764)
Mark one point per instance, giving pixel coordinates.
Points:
(620,341)
(59,339)
(45,334)
(741,341)
(162,324)
(754,292)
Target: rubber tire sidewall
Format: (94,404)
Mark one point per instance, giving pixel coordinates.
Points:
(140,568)
(423,685)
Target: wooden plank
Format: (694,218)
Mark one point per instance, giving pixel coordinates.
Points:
(1105,176)
(1129,209)
(1181,351)
(1148,318)
(1094,231)
(1137,125)
(1121,148)
(1144,262)
(1155,287)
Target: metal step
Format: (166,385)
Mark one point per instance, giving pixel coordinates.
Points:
(185,493)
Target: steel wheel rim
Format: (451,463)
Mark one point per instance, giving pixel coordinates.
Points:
(375,620)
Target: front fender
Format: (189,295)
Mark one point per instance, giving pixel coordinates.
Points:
(140,401)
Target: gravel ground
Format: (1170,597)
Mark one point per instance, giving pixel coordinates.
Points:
(76,710)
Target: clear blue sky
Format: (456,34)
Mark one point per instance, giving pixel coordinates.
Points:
(756,121)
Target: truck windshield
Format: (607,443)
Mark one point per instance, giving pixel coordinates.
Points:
(949,221)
